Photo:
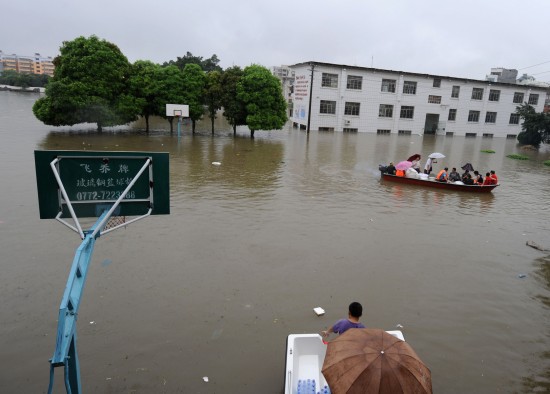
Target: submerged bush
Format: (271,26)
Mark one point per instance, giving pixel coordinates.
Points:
(488,150)
(546,163)
(518,157)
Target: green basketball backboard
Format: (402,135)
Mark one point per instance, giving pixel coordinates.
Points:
(94,181)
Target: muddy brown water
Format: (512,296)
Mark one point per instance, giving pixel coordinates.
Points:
(286,223)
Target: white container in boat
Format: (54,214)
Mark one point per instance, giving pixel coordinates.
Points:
(423,176)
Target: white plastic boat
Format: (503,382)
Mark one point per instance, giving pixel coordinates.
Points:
(305,354)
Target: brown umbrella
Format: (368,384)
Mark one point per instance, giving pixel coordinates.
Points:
(368,361)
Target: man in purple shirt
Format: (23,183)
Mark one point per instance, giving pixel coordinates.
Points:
(342,325)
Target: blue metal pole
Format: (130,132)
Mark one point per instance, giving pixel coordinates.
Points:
(65,353)
(179,126)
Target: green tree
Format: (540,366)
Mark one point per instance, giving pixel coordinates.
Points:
(144,88)
(211,64)
(535,126)
(172,91)
(207,65)
(262,95)
(194,81)
(24,80)
(89,85)
(213,95)
(233,109)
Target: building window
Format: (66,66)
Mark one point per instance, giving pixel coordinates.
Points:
(388,85)
(350,130)
(407,112)
(355,82)
(533,99)
(327,107)
(386,111)
(409,87)
(437,82)
(490,117)
(514,119)
(352,109)
(477,94)
(434,99)
(494,95)
(404,132)
(473,116)
(452,114)
(487,135)
(329,80)
(471,134)
(511,136)
(518,98)
(456,92)
(326,128)
(383,131)
(449,133)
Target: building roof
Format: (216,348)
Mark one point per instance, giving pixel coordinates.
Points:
(479,81)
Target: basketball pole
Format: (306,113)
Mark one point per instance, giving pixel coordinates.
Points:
(65,354)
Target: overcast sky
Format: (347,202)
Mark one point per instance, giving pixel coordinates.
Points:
(463,38)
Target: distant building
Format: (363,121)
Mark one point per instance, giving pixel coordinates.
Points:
(362,99)
(286,75)
(504,75)
(35,64)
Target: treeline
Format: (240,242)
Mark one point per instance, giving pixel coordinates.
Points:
(93,82)
(14,78)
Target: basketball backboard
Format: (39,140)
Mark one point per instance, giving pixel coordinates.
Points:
(94,181)
(177,110)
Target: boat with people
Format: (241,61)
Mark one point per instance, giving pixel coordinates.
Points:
(431,182)
(305,355)
(408,171)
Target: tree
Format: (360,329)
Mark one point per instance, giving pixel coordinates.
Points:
(213,95)
(89,85)
(208,65)
(144,88)
(194,81)
(535,126)
(262,95)
(172,90)
(24,80)
(233,109)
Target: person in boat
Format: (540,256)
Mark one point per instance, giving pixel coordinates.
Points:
(467,180)
(442,175)
(416,164)
(478,179)
(355,311)
(465,175)
(390,169)
(454,176)
(494,176)
(488,180)
(428,165)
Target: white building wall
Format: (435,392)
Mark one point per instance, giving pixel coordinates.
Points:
(370,97)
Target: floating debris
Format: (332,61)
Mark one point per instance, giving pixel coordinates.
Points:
(319,311)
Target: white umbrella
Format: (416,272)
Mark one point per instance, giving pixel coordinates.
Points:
(436,155)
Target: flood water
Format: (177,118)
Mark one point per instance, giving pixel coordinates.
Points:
(286,223)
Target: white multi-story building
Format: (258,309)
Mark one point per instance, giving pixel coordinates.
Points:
(362,99)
